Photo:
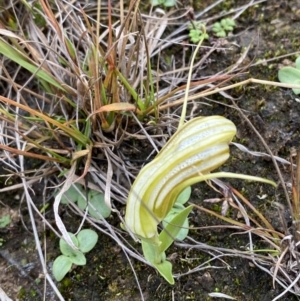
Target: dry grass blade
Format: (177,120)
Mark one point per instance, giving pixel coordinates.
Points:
(73,132)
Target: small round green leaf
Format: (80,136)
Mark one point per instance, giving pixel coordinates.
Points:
(61,266)
(221,34)
(81,202)
(297,91)
(298,63)
(78,258)
(65,248)
(96,200)
(217,27)
(169,3)
(72,194)
(5,221)
(290,75)
(155,2)
(87,240)
(184,195)
(228,24)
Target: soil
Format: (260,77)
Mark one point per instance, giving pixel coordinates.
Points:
(272,29)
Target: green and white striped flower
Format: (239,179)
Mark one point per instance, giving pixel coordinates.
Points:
(197,148)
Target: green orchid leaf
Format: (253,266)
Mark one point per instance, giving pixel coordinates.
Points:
(290,75)
(195,35)
(75,256)
(166,3)
(64,246)
(96,199)
(165,270)
(81,200)
(97,206)
(169,3)
(72,194)
(78,258)
(151,251)
(87,240)
(296,91)
(170,232)
(176,208)
(220,28)
(158,259)
(61,266)
(298,63)
(184,230)
(184,196)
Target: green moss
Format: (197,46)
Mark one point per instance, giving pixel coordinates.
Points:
(32,293)
(21,293)
(66,283)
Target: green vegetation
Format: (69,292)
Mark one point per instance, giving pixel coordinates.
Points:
(177,208)
(166,3)
(93,201)
(159,184)
(222,28)
(197,31)
(291,75)
(5,221)
(85,241)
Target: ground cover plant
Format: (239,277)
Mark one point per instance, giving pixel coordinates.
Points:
(197,32)
(84,88)
(85,241)
(290,74)
(222,28)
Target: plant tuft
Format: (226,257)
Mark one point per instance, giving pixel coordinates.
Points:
(85,241)
(197,31)
(291,75)
(222,28)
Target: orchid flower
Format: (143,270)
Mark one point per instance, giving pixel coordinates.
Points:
(197,148)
